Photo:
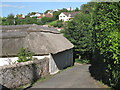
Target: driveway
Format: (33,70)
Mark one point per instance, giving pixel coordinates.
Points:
(77,76)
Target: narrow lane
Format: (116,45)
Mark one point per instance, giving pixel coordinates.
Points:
(77,76)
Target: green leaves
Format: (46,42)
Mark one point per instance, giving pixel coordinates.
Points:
(24,55)
(79,32)
(98,28)
(107,26)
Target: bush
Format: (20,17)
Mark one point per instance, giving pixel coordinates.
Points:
(24,55)
(58,24)
(108,39)
(44,20)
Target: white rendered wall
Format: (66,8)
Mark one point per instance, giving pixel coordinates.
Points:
(12,60)
(63,17)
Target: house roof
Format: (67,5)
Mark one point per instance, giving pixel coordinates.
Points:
(48,15)
(71,13)
(38,39)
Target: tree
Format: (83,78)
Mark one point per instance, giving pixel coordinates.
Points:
(29,20)
(87,8)
(32,13)
(78,31)
(77,9)
(0,21)
(45,20)
(4,21)
(46,11)
(10,19)
(56,15)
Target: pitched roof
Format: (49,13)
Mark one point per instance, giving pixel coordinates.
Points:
(71,13)
(48,15)
(38,39)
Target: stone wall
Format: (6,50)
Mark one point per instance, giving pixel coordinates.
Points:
(15,75)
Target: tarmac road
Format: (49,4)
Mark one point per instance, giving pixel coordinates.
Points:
(77,76)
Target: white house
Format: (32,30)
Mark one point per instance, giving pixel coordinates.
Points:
(20,16)
(36,15)
(69,9)
(66,16)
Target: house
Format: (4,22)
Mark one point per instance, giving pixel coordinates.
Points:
(21,16)
(57,10)
(70,9)
(43,41)
(66,16)
(49,14)
(39,17)
(36,15)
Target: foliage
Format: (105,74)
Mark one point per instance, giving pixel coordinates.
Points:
(32,13)
(9,20)
(57,13)
(0,21)
(58,24)
(96,31)
(44,20)
(24,55)
(108,39)
(46,11)
(77,9)
(78,31)
(82,61)
(88,8)
(29,20)
(52,23)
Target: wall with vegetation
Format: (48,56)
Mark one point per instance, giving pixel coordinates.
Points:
(23,73)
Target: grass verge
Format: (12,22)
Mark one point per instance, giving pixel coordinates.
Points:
(82,61)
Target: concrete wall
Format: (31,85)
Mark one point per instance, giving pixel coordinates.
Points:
(15,75)
(60,61)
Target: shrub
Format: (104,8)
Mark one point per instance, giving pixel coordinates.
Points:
(108,39)
(44,20)
(24,55)
(58,24)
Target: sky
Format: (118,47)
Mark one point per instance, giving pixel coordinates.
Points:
(36,6)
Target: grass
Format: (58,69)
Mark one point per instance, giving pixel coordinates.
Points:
(52,23)
(28,85)
(82,61)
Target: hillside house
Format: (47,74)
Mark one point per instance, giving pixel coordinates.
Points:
(66,16)
(49,14)
(36,15)
(43,41)
(21,16)
(70,9)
